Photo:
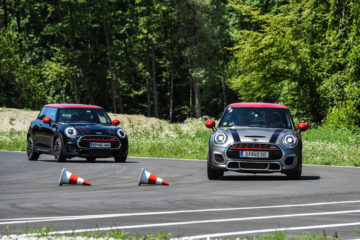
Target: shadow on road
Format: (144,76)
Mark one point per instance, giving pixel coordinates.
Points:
(265,178)
(84,161)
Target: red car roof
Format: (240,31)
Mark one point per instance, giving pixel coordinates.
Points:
(257,104)
(68,105)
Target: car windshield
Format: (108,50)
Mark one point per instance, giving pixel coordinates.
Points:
(256,117)
(83,115)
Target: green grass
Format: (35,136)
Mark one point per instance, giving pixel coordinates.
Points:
(13,140)
(47,232)
(157,138)
(331,147)
(186,140)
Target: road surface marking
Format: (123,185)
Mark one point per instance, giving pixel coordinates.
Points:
(100,216)
(205,221)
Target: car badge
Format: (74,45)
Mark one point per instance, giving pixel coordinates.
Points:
(255,139)
(98,132)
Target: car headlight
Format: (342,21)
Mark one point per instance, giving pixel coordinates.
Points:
(121,133)
(290,141)
(70,132)
(220,138)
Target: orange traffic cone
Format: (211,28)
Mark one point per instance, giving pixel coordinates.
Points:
(148,178)
(69,178)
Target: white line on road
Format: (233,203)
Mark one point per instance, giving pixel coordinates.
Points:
(100,216)
(226,234)
(167,224)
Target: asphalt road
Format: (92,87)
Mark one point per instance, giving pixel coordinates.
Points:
(326,198)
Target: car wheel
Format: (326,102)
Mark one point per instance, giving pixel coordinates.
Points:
(296,173)
(120,157)
(213,174)
(31,154)
(90,159)
(58,151)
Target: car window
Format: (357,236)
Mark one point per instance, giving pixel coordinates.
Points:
(51,113)
(102,116)
(256,117)
(83,115)
(42,114)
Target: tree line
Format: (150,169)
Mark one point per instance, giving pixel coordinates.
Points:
(174,59)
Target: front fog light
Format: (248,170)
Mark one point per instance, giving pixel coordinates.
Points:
(220,138)
(289,141)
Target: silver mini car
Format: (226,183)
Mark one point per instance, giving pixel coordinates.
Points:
(255,138)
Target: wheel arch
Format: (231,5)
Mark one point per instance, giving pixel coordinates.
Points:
(56,136)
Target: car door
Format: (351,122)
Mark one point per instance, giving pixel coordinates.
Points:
(37,128)
(47,130)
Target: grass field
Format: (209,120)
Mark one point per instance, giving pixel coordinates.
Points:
(151,137)
(46,233)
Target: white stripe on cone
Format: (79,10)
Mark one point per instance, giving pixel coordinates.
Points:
(148,178)
(67,177)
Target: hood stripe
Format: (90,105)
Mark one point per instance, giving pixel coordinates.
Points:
(235,135)
(275,136)
(86,130)
(81,132)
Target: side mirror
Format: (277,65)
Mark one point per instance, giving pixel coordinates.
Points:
(303,126)
(210,124)
(116,122)
(46,120)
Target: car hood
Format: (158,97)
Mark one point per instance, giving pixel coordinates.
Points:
(95,129)
(261,135)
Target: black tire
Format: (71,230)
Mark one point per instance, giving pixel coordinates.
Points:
(296,173)
(58,150)
(121,157)
(31,153)
(213,174)
(90,159)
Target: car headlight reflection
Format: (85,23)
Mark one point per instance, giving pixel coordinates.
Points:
(121,133)
(70,132)
(290,141)
(221,138)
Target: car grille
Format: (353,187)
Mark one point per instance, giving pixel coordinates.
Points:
(274,151)
(85,141)
(273,167)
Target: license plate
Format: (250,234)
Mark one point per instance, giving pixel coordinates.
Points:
(253,154)
(100,145)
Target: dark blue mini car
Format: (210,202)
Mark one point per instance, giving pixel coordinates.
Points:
(76,130)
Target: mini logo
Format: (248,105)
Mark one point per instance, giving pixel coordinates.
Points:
(98,132)
(255,139)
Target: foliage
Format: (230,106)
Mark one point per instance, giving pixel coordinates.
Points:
(299,54)
(177,59)
(133,57)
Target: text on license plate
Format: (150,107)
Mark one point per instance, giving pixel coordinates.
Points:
(100,145)
(253,154)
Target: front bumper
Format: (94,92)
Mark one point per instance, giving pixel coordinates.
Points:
(285,160)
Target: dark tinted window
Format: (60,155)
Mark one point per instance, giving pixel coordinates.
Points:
(83,115)
(42,114)
(51,113)
(256,117)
